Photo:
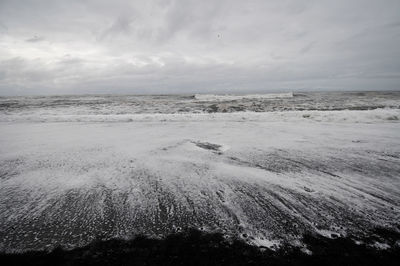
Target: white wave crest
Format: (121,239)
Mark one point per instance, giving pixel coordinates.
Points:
(229,97)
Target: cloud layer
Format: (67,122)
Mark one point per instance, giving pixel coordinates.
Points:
(190,46)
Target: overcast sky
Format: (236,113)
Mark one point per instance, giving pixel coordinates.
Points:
(104,46)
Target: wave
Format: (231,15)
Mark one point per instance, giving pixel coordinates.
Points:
(229,97)
(342,116)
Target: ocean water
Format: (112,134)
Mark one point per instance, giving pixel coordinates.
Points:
(265,168)
(172,104)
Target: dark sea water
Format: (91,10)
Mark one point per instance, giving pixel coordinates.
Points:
(169,104)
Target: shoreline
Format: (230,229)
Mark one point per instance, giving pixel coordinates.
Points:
(199,248)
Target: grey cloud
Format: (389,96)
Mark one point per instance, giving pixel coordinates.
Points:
(307,48)
(122,25)
(35,39)
(3,27)
(390,25)
(198,46)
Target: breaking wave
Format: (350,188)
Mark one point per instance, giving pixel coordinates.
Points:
(228,97)
(342,116)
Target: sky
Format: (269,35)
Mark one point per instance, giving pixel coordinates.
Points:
(207,46)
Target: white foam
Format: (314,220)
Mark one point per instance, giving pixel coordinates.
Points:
(230,97)
(343,116)
(381,246)
(262,242)
(159,161)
